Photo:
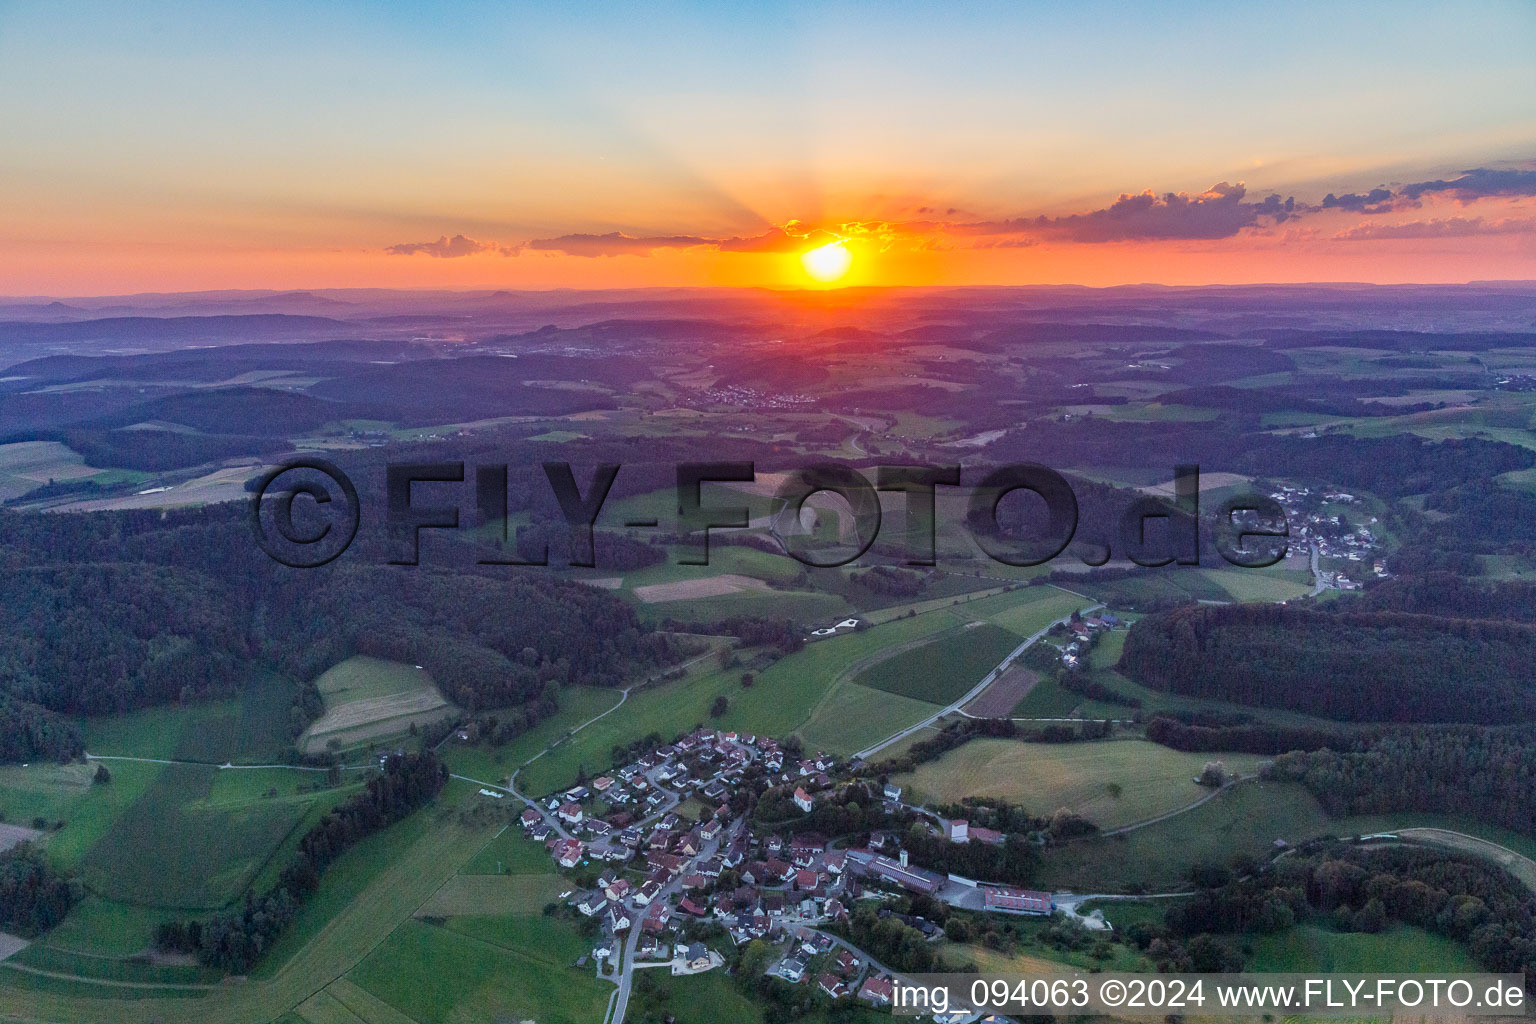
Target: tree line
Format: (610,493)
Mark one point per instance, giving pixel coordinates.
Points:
(235,940)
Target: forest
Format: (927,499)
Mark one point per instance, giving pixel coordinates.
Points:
(1368,667)
(29,732)
(1488,774)
(149,609)
(1361,889)
(1445,594)
(33,895)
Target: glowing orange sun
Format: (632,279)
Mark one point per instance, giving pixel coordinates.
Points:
(828,263)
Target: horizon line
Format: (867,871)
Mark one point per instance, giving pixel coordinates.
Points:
(762,289)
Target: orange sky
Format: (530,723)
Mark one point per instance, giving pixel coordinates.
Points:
(167,146)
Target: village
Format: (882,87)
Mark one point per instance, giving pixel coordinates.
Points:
(657,878)
(1331,534)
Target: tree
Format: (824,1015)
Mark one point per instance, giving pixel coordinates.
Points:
(719,707)
(1214,775)
(754,959)
(102,776)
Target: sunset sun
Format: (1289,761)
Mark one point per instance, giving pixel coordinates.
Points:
(828,263)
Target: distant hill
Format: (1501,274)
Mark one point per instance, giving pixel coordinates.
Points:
(149,329)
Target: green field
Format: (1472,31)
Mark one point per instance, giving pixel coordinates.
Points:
(1026,611)
(1121,914)
(665,708)
(466,894)
(802,606)
(96,812)
(509,853)
(250,728)
(854,717)
(436,975)
(1049,699)
(786,697)
(943,669)
(50,791)
(928,604)
(1402,950)
(49,957)
(363,678)
(1247,818)
(1266,586)
(1042,777)
(104,929)
(173,848)
(1168,583)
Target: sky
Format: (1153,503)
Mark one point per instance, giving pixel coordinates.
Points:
(153,146)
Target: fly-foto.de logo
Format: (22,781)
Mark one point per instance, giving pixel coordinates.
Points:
(306,512)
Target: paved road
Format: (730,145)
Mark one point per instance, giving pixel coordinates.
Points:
(228,766)
(1317,580)
(970,694)
(632,938)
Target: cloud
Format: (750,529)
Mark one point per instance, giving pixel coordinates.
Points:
(1468,187)
(792,237)
(616,243)
(1377,200)
(1219,212)
(1479,183)
(1447,227)
(775,239)
(446,248)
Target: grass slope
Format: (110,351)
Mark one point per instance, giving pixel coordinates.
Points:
(436,975)
(171,848)
(1041,777)
(1028,610)
(1403,950)
(943,669)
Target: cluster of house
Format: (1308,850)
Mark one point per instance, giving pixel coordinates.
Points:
(1082,632)
(837,970)
(750,398)
(1308,521)
(661,870)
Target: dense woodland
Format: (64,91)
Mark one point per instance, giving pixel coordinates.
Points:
(1363,890)
(33,896)
(1371,667)
(29,732)
(1488,774)
(111,612)
(1446,594)
(235,940)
